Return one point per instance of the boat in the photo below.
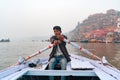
(84, 41)
(80, 68)
(116, 41)
(5, 40)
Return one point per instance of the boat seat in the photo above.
(81, 65)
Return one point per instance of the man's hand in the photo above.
(59, 41)
(56, 42)
(61, 37)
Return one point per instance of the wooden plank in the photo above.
(103, 76)
(16, 75)
(61, 73)
(78, 64)
(112, 72)
(11, 70)
(107, 70)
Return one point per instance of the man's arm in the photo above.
(52, 39)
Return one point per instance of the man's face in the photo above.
(57, 32)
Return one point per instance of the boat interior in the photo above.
(80, 68)
(70, 74)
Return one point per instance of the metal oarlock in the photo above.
(21, 60)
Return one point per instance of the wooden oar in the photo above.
(21, 60)
(82, 49)
(103, 59)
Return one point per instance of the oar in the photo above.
(104, 61)
(21, 60)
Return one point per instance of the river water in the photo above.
(10, 52)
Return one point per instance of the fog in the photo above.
(29, 18)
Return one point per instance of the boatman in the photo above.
(59, 52)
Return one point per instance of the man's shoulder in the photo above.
(64, 35)
(53, 36)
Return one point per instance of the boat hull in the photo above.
(80, 68)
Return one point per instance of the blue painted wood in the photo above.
(103, 76)
(16, 75)
(61, 73)
(11, 70)
(101, 71)
(112, 73)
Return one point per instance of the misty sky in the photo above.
(28, 18)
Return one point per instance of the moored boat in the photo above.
(5, 40)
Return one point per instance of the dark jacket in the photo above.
(62, 46)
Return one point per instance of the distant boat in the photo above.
(5, 40)
(117, 41)
(84, 41)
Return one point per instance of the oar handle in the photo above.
(81, 49)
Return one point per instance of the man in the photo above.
(59, 52)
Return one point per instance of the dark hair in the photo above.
(57, 28)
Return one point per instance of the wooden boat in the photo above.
(84, 41)
(5, 40)
(117, 41)
(80, 68)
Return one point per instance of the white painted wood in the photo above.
(16, 75)
(103, 76)
(68, 67)
(112, 72)
(11, 70)
(61, 73)
(107, 70)
(78, 64)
